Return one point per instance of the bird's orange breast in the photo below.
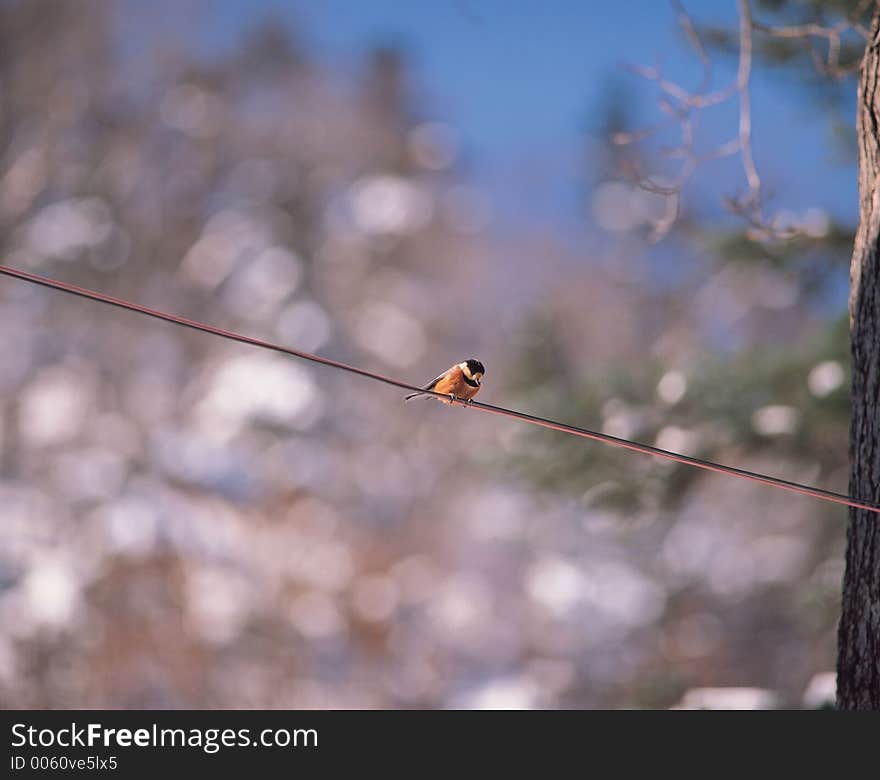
(453, 382)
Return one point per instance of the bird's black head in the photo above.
(475, 367)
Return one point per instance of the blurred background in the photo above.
(193, 523)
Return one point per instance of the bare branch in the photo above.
(680, 105)
(690, 31)
(743, 75)
(829, 65)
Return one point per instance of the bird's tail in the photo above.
(412, 395)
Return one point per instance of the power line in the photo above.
(646, 449)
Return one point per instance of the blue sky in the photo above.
(521, 80)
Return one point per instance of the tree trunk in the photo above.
(858, 661)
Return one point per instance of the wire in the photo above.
(646, 449)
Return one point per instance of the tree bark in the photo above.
(858, 660)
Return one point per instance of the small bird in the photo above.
(461, 382)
